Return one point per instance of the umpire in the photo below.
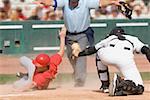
(77, 21)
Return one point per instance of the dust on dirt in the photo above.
(66, 90)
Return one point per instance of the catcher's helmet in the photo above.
(42, 59)
(117, 30)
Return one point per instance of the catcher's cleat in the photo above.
(21, 75)
(104, 89)
(114, 84)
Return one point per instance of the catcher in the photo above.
(42, 70)
(118, 49)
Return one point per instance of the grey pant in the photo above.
(29, 66)
(78, 64)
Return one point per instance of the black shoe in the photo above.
(104, 89)
(105, 86)
(21, 75)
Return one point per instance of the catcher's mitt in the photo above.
(125, 9)
(75, 49)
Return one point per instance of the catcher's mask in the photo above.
(73, 4)
(41, 59)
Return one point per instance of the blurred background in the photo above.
(21, 10)
(26, 27)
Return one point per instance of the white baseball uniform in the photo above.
(120, 53)
(30, 67)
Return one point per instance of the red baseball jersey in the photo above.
(42, 79)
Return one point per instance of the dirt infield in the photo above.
(10, 64)
(65, 90)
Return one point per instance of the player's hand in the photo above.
(62, 32)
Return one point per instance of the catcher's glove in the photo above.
(125, 9)
(75, 49)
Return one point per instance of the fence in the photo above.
(37, 36)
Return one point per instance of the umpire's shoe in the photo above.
(114, 84)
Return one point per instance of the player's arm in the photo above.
(94, 49)
(145, 50)
(101, 2)
(88, 51)
(140, 47)
(53, 3)
(62, 35)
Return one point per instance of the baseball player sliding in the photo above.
(118, 49)
(41, 70)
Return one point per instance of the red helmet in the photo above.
(42, 59)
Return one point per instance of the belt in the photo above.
(76, 33)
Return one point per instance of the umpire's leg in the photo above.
(79, 64)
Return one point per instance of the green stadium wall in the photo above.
(42, 36)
